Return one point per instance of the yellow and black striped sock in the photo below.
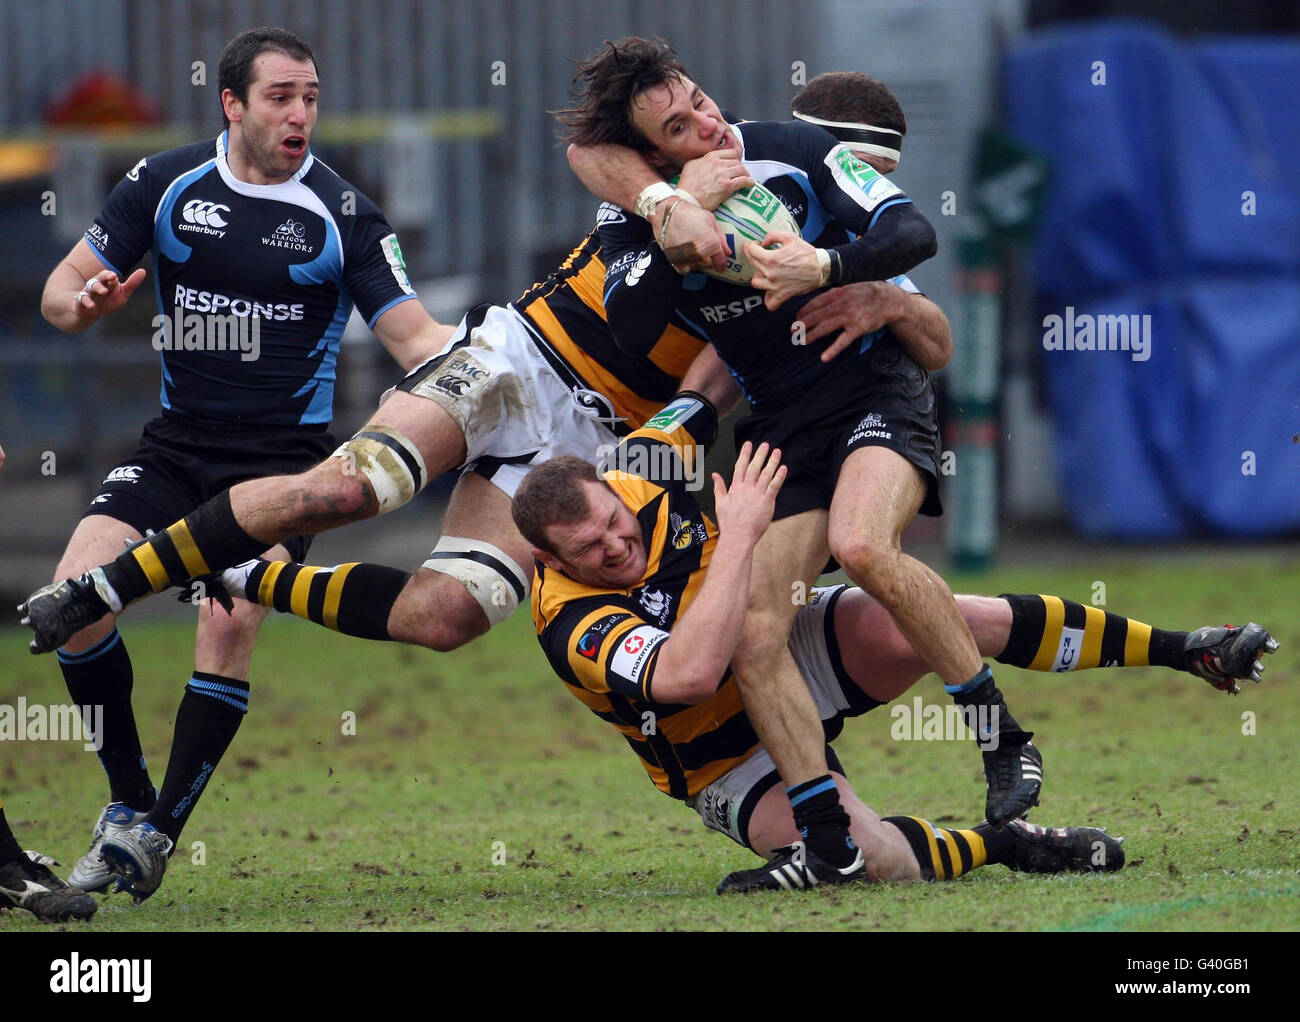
(1049, 633)
(354, 598)
(208, 539)
(942, 854)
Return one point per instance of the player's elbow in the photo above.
(686, 688)
(681, 680)
(629, 334)
(936, 351)
(921, 237)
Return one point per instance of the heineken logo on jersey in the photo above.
(848, 169)
(670, 415)
(291, 235)
(393, 253)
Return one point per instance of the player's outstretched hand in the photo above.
(103, 294)
(786, 272)
(853, 310)
(712, 177)
(746, 509)
(693, 240)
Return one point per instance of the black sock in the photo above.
(998, 844)
(822, 820)
(102, 676)
(354, 599)
(210, 713)
(985, 711)
(10, 850)
(206, 540)
(1049, 633)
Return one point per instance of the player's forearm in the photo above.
(923, 331)
(900, 239)
(612, 173)
(704, 639)
(709, 375)
(58, 301)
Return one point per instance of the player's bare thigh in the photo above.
(879, 658)
(877, 496)
(96, 540)
(771, 826)
(334, 492)
(434, 609)
(790, 555)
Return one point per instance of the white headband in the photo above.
(877, 141)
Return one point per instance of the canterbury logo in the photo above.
(206, 214)
(638, 269)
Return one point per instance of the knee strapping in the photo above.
(389, 461)
(487, 572)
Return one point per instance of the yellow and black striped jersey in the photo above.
(604, 644)
(567, 313)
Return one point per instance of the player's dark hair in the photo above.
(235, 66)
(605, 86)
(551, 494)
(853, 97)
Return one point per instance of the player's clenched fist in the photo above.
(747, 508)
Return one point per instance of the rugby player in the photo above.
(639, 603)
(861, 438)
(25, 877)
(259, 253)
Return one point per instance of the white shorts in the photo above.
(727, 803)
(513, 408)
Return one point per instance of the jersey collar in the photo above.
(244, 187)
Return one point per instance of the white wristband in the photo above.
(824, 260)
(688, 196)
(651, 196)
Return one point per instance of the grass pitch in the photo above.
(476, 794)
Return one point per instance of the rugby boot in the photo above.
(58, 611)
(92, 873)
(139, 858)
(1063, 849)
(1220, 656)
(1014, 774)
(794, 868)
(28, 883)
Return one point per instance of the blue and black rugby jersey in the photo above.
(834, 197)
(254, 283)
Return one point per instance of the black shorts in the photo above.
(886, 401)
(180, 465)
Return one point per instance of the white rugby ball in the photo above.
(748, 215)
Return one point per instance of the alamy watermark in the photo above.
(658, 463)
(35, 722)
(196, 332)
(1087, 332)
(930, 722)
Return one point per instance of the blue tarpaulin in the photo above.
(1174, 202)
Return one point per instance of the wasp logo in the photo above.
(685, 531)
(205, 214)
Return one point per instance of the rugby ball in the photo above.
(748, 215)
